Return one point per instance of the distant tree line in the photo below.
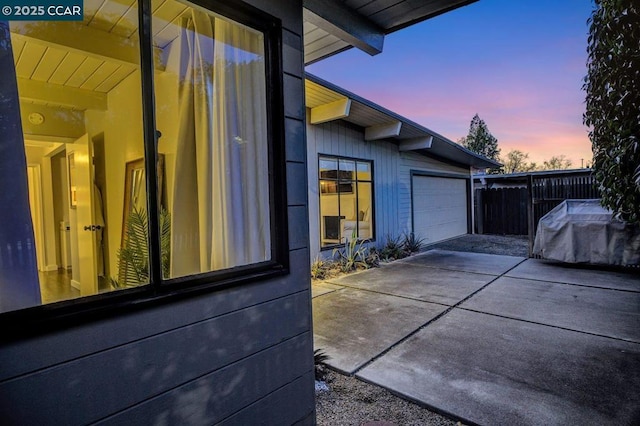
(481, 141)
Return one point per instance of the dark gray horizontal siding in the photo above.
(95, 386)
(278, 408)
(219, 395)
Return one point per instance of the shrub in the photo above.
(352, 256)
(319, 358)
(613, 98)
(393, 249)
(412, 243)
(319, 268)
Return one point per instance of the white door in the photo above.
(439, 207)
(79, 158)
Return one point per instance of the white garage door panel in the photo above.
(439, 207)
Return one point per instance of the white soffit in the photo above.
(331, 26)
(382, 124)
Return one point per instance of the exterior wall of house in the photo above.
(345, 139)
(392, 177)
(242, 355)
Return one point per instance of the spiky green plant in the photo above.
(133, 257)
(412, 243)
(319, 358)
(318, 268)
(392, 249)
(353, 255)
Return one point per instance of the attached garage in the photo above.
(439, 206)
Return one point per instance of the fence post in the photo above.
(530, 218)
(479, 212)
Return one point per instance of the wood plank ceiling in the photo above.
(42, 55)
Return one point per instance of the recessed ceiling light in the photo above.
(36, 118)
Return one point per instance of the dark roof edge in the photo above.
(534, 173)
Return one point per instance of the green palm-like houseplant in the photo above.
(133, 257)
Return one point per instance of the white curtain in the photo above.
(220, 215)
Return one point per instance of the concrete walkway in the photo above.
(490, 339)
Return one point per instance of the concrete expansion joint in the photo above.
(620, 339)
(624, 290)
(434, 319)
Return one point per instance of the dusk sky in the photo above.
(519, 64)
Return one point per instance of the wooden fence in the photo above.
(516, 211)
(502, 211)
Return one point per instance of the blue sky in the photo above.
(519, 64)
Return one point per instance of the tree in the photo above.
(516, 161)
(557, 162)
(480, 140)
(612, 88)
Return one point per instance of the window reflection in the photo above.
(80, 105)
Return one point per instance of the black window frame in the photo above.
(45, 318)
(339, 182)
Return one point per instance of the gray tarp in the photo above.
(582, 231)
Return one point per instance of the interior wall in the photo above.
(60, 198)
(38, 155)
(122, 143)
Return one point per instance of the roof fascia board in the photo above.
(346, 24)
(382, 131)
(332, 111)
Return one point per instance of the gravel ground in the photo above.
(353, 402)
(509, 245)
(350, 401)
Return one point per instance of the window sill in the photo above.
(43, 319)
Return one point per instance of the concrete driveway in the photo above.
(490, 339)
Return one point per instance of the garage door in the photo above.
(439, 207)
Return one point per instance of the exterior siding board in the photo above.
(246, 348)
(234, 387)
(154, 365)
(277, 407)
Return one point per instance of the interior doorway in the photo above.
(67, 214)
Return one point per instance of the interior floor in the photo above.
(56, 286)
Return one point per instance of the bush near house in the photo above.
(355, 255)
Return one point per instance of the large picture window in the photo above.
(346, 199)
(215, 134)
(205, 157)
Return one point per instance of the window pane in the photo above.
(328, 168)
(365, 211)
(347, 169)
(330, 220)
(211, 112)
(364, 171)
(80, 105)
